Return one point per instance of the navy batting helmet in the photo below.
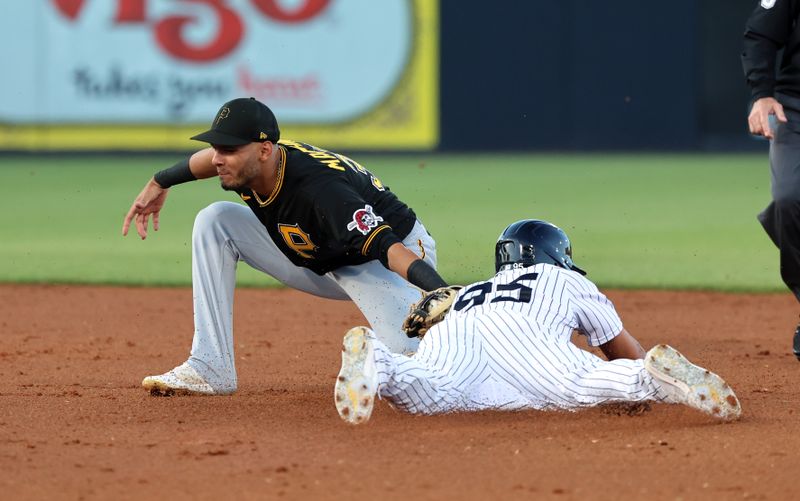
(533, 241)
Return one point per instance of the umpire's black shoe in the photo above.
(796, 343)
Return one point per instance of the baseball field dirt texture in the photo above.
(75, 423)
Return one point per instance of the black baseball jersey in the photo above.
(772, 26)
(327, 211)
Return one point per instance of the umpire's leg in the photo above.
(781, 218)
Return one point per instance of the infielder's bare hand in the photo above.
(149, 202)
(759, 116)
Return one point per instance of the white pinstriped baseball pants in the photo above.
(460, 366)
(226, 232)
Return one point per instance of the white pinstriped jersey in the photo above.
(558, 301)
(505, 344)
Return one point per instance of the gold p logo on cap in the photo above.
(223, 113)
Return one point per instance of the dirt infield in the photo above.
(74, 423)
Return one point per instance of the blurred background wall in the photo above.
(583, 74)
(389, 75)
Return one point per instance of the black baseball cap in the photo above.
(241, 121)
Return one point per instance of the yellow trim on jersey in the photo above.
(372, 237)
(421, 248)
(278, 182)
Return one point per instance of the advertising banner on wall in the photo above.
(147, 74)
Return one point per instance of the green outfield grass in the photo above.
(636, 221)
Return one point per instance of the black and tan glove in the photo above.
(429, 310)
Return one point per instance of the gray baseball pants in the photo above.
(225, 233)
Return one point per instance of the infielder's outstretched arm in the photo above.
(409, 266)
(200, 165)
(623, 345)
(152, 197)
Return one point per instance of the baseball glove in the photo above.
(429, 310)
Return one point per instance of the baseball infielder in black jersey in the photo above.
(775, 114)
(315, 220)
(506, 344)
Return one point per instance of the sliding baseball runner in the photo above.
(505, 343)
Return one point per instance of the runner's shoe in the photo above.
(357, 382)
(689, 384)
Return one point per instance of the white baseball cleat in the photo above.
(357, 382)
(183, 379)
(689, 384)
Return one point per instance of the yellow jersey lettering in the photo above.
(293, 144)
(320, 154)
(326, 157)
(352, 164)
(333, 164)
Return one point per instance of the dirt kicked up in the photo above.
(75, 424)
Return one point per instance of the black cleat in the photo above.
(796, 342)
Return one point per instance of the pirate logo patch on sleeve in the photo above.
(364, 220)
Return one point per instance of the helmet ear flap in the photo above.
(527, 254)
(505, 252)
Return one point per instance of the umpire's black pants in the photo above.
(781, 218)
